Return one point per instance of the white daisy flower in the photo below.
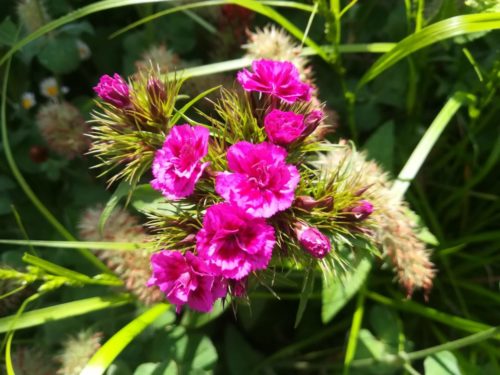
(49, 88)
(28, 100)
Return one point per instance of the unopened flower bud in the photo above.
(313, 241)
(239, 287)
(306, 202)
(113, 90)
(362, 210)
(313, 119)
(156, 89)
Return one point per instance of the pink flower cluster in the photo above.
(235, 239)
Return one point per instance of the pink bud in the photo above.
(362, 210)
(113, 90)
(313, 241)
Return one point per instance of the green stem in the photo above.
(357, 320)
(26, 188)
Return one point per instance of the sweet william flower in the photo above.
(280, 79)
(186, 279)
(261, 182)
(233, 242)
(362, 210)
(177, 166)
(313, 241)
(282, 127)
(113, 90)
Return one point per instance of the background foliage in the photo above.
(434, 80)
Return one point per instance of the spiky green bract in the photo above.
(131, 266)
(77, 351)
(125, 139)
(12, 289)
(394, 230)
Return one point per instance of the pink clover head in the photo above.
(177, 166)
(283, 128)
(113, 90)
(186, 279)
(233, 242)
(261, 182)
(280, 79)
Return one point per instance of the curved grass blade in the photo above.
(62, 311)
(101, 360)
(119, 246)
(98, 6)
(202, 4)
(111, 204)
(419, 154)
(27, 189)
(189, 104)
(432, 34)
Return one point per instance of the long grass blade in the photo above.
(62, 311)
(425, 145)
(437, 32)
(118, 246)
(115, 345)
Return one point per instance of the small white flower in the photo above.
(28, 100)
(83, 49)
(49, 88)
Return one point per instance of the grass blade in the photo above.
(62, 311)
(432, 34)
(111, 204)
(425, 145)
(189, 104)
(115, 345)
(119, 246)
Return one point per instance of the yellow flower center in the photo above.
(27, 103)
(52, 90)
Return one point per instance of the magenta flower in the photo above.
(261, 182)
(177, 166)
(113, 90)
(280, 79)
(362, 210)
(283, 128)
(313, 241)
(186, 280)
(233, 242)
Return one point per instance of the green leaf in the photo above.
(241, 357)
(432, 34)
(307, 289)
(193, 319)
(121, 191)
(336, 293)
(8, 32)
(62, 311)
(101, 360)
(442, 363)
(119, 246)
(189, 104)
(426, 143)
(380, 145)
(60, 54)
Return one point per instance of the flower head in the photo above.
(77, 351)
(186, 279)
(177, 166)
(283, 128)
(49, 88)
(28, 100)
(279, 79)
(233, 242)
(113, 90)
(261, 182)
(313, 241)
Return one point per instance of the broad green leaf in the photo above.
(60, 54)
(242, 358)
(8, 32)
(164, 368)
(432, 34)
(426, 143)
(336, 293)
(442, 363)
(380, 145)
(193, 319)
(62, 311)
(307, 289)
(101, 360)
(122, 190)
